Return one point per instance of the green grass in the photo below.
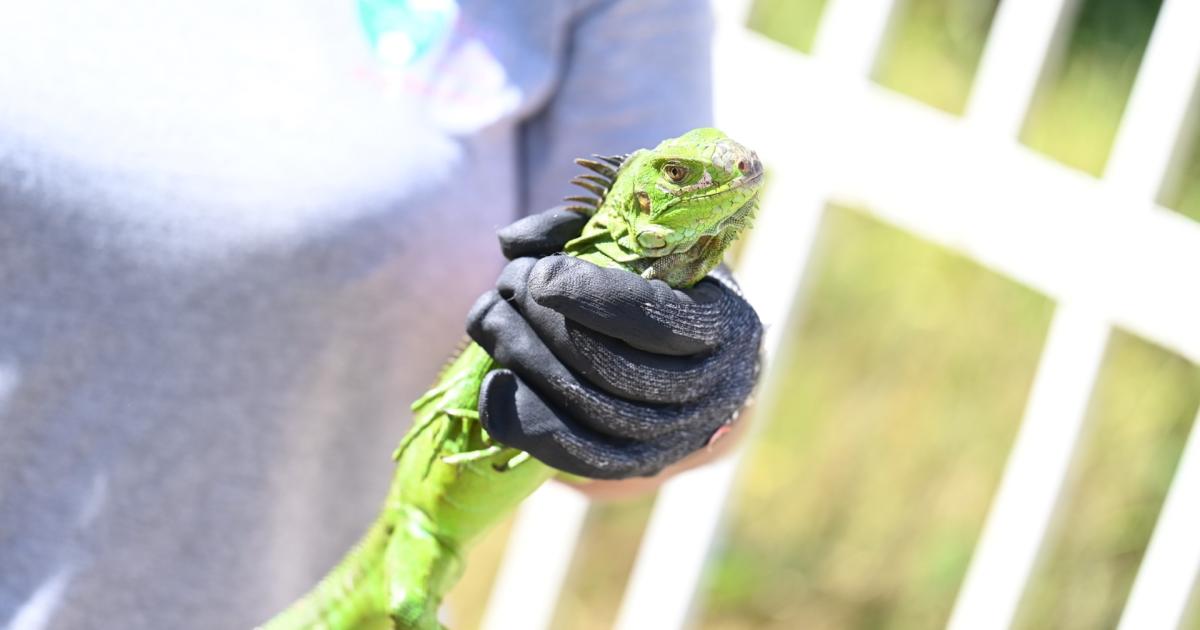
(934, 50)
(793, 23)
(1075, 114)
(1184, 195)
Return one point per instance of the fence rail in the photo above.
(1103, 248)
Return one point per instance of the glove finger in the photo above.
(496, 326)
(540, 234)
(612, 365)
(516, 416)
(646, 314)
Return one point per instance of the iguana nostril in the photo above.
(753, 165)
(651, 239)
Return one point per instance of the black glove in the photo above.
(609, 375)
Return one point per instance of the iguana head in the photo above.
(669, 212)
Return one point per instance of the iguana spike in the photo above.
(588, 210)
(600, 191)
(603, 169)
(615, 160)
(603, 181)
(587, 201)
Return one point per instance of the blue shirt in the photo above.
(236, 241)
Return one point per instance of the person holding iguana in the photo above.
(232, 251)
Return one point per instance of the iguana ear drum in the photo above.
(605, 168)
(643, 202)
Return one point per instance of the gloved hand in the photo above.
(608, 375)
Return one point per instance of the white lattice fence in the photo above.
(1103, 248)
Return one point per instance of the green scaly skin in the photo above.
(669, 214)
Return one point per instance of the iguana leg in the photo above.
(517, 460)
(470, 456)
(420, 566)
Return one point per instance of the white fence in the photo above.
(1103, 248)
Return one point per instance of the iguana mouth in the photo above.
(734, 184)
(744, 211)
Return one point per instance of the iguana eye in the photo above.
(675, 172)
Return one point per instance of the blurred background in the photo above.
(907, 370)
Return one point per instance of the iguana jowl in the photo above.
(666, 213)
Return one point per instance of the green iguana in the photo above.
(667, 213)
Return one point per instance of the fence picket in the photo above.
(1026, 36)
(535, 563)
